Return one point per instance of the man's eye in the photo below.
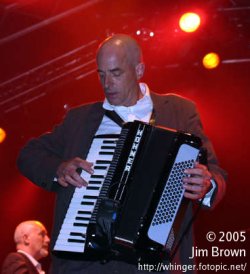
(117, 73)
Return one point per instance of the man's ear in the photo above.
(139, 70)
(26, 239)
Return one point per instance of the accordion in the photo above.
(140, 205)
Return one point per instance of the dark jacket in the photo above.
(18, 263)
(40, 158)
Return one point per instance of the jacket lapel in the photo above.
(87, 130)
(161, 109)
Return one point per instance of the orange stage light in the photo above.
(2, 135)
(211, 60)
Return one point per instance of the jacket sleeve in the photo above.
(194, 125)
(40, 157)
(15, 263)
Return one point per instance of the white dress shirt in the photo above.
(141, 111)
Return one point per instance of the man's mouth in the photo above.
(111, 94)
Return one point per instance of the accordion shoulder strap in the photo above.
(114, 117)
(120, 122)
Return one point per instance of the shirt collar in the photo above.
(146, 99)
(32, 259)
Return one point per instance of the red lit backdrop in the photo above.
(47, 66)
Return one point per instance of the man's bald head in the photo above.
(25, 228)
(125, 43)
(32, 238)
(120, 67)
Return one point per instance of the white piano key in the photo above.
(70, 225)
(77, 207)
(79, 194)
(73, 246)
(73, 212)
(71, 220)
(64, 236)
(68, 229)
(96, 186)
(69, 248)
(74, 217)
(67, 236)
(80, 200)
(89, 201)
(100, 172)
(92, 192)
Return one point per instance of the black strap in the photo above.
(114, 117)
(152, 118)
(118, 120)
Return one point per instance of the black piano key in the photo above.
(107, 136)
(106, 153)
(95, 182)
(97, 176)
(93, 187)
(80, 224)
(89, 197)
(75, 241)
(108, 147)
(87, 203)
(109, 141)
(100, 167)
(83, 212)
(103, 162)
(77, 234)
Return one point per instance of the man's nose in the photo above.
(107, 81)
(47, 239)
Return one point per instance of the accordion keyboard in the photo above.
(72, 236)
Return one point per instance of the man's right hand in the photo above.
(68, 175)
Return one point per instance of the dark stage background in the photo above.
(47, 51)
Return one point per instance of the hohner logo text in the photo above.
(134, 149)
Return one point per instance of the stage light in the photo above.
(211, 60)
(145, 33)
(2, 135)
(189, 22)
(151, 34)
(138, 32)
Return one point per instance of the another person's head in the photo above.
(120, 66)
(32, 237)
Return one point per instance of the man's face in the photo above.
(118, 77)
(39, 242)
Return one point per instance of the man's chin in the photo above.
(114, 102)
(44, 253)
(113, 98)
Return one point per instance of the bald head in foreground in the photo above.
(32, 243)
